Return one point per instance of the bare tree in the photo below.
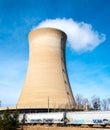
(108, 102)
(81, 101)
(96, 103)
(85, 101)
(105, 104)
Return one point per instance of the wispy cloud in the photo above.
(81, 35)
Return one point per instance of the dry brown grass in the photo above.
(38, 127)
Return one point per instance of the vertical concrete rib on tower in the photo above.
(46, 77)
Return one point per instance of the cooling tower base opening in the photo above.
(34, 110)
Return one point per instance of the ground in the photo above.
(62, 128)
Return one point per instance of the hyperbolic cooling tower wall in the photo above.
(46, 81)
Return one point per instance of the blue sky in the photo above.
(89, 71)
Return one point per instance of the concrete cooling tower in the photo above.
(46, 83)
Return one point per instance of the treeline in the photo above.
(9, 121)
(95, 103)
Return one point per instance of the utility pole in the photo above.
(48, 104)
(0, 103)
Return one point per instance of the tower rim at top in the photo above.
(51, 29)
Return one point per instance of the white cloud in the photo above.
(81, 36)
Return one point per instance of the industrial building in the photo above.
(47, 85)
